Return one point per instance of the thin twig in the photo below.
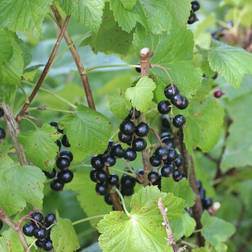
(13, 130)
(170, 238)
(45, 71)
(76, 57)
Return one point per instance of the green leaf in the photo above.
(143, 228)
(215, 230)
(64, 237)
(43, 141)
(128, 4)
(144, 88)
(9, 242)
(23, 15)
(84, 129)
(20, 185)
(5, 46)
(88, 12)
(231, 62)
(88, 195)
(180, 189)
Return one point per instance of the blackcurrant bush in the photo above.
(107, 199)
(117, 151)
(40, 233)
(162, 152)
(207, 203)
(51, 174)
(65, 141)
(67, 154)
(155, 161)
(128, 181)
(180, 101)
(65, 176)
(92, 175)
(47, 245)
(127, 127)
(97, 162)
(2, 133)
(170, 91)
(142, 129)
(109, 160)
(192, 18)
(1, 112)
(113, 180)
(164, 107)
(28, 229)
(101, 189)
(37, 217)
(62, 163)
(177, 175)
(50, 219)
(57, 185)
(139, 144)
(178, 161)
(154, 178)
(134, 114)
(101, 176)
(130, 154)
(195, 6)
(125, 138)
(179, 121)
(167, 170)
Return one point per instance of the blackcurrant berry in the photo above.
(67, 154)
(134, 114)
(195, 6)
(97, 162)
(167, 170)
(130, 154)
(1, 112)
(109, 160)
(170, 91)
(2, 133)
(65, 176)
(139, 144)
(127, 191)
(50, 219)
(172, 154)
(162, 152)
(1, 224)
(192, 18)
(37, 217)
(101, 176)
(39, 243)
(166, 135)
(154, 178)
(28, 229)
(101, 189)
(218, 93)
(65, 141)
(142, 129)
(40, 233)
(113, 180)
(155, 161)
(47, 245)
(207, 203)
(202, 193)
(62, 163)
(117, 151)
(57, 185)
(128, 181)
(164, 107)
(180, 101)
(138, 69)
(215, 76)
(127, 127)
(198, 184)
(107, 199)
(125, 138)
(54, 124)
(51, 174)
(92, 175)
(177, 175)
(178, 161)
(179, 121)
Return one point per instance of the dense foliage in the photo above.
(125, 125)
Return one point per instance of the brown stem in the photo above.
(13, 130)
(76, 57)
(44, 73)
(170, 238)
(145, 55)
(16, 228)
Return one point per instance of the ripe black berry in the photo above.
(65, 141)
(155, 161)
(113, 180)
(172, 154)
(202, 193)
(166, 135)
(177, 175)
(117, 151)
(164, 107)
(50, 219)
(2, 133)
(54, 124)
(142, 129)
(37, 217)
(178, 161)
(193, 18)
(130, 154)
(97, 162)
(1, 112)
(139, 144)
(162, 152)
(138, 69)
(28, 229)
(124, 138)
(67, 154)
(51, 174)
(40, 233)
(47, 245)
(92, 175)
(207, 203)
(62, 163)
(57, 185)
(65, 176)
(100, 189)
(134, 114)
(154, 178)
(109, 160)
(195, 6)
(127, 127)
(167, 170)
(107, 199)
(101, 176)
(128, 181)
(39, 243)
(179, 121)
(179, 101)
(127, 191)
(1, 224)
(170, 91)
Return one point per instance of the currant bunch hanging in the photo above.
(193, 17)
(205, 201)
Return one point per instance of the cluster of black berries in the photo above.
(61, 174)
(193, 17)
(164, 107)
(2, 131)
(40, 228)
(62, 141)
(206, 202)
